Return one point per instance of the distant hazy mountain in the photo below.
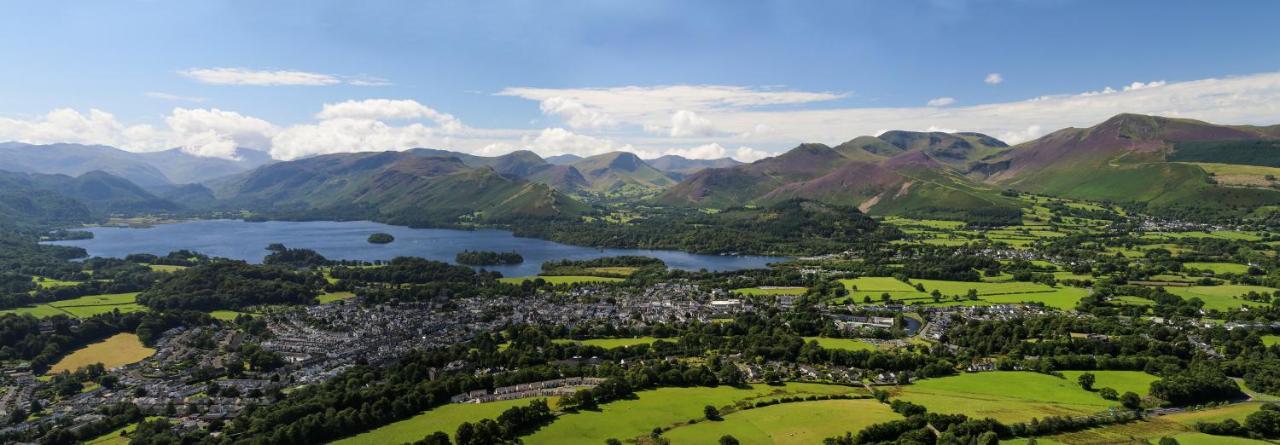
(145, 169)
(416, 187)
(680, 165)
(624, 173)
(564, 159)
(63, 199)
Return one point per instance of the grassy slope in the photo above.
(988, 394)
(118, 350)
(790, 423)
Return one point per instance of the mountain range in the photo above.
(1164, 163)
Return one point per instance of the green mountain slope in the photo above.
(621, 173)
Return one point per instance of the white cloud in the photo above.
(558, 141)
(217, 133)
(173, 97)
(941, 101)
(1140, 85)
(575, 113)
(994, 79)
(213, 132)
(389, 109)
(716, 151)
(252, 77)
(685, 123)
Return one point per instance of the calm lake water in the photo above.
(349, 240)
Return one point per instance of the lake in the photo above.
(349, 240)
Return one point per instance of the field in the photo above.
(770, 291)
(1271, 340)
(445, 418)
(86, 306)
(1241, 175)
(329, 297)
(1121, 381)
(116, 351)
(627, 419)
(1220, 297)
(165, 267)
(1219, 267)
(1062, 297)
(610, 343)
(993, 394)
(788, 423)
(563, 279)
(225, 315)
(1180, 426)
(848, 344)
(50, 283)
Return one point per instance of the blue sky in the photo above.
(698, 78)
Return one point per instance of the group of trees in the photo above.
(226, 284)
(22, 336)
(487, 258)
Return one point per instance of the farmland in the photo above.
(788, 423)
(1222, 297)
(987, 394)
(563, 279)
(86, 306)
(626, 419)
(848, 344)
(116, 351)
(1062, 297)
(770, 291)
(445, 418)
(610, 343)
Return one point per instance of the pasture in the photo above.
(1223, 297)
(848, 344)
(1005, 292)
(1180, 426)
(627, 419)
(770, 291)
(116, 351)
(330, 297)
(1121, 381)
(445, 418)
(86, 306)
(1005, 396)
(1219, 268)
(788, 423)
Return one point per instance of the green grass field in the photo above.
(51, 283)
(165, 267)
(445, 418)
(1121, 381)
(1271, 340)
(1010, 292)
(1005, 396)
(225, 315)
(770, 291)
(627, 419)
(788, 423)
(1180, 426)
(563, 279)
(329, 297)
(1219, 268)
(116, 351)
(848, 344)
(86, 306)
(1221, 297)
(610, 343)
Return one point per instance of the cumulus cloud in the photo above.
(389, 109)
(994, 79)
(575, 113)
(217, 133)
(717, 151)
(212, 132)
(685, 123)
(559, 141)
(941, 101)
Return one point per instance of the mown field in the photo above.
(1121, 381)
(770, 291)
(1223, 297)
(1219, 268)
(116, 351)
(1180, 426)
(788, 423)
(1011, 292)
(86, 306)
(848, 344)
(1005, 396)
(445, 418)
(627, 419)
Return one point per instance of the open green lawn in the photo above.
(788, 423)
(1132, 300)
(1004, 396)
(86, 306)
(329, 297)
(1221, 297)
(627, 419)
(50, 283)
(1219, 268)
(1010, 292)
(562, 279)
(225, 315)
(165, 267)
(1219, 234)
(1270, 340)
(770, 291)
(445, 418)
(116, 351)
(1121, 381)
(1180, 426)
(848, 344)
(610, 343)
(927, 223)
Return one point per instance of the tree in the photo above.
(728, 440)
(1109, 393)
(1168, 441)
(711, 412)
(988, 438)
(1131, 400)
(1086, 381)
(1265, 423)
